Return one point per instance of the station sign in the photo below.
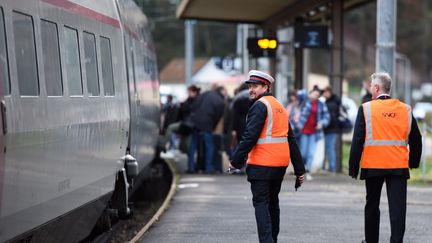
(311, 36)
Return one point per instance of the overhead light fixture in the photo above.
(322, 8)
(312, 13)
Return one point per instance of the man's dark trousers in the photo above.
(396, 195)
(266, 203)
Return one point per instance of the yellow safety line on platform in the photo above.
(164, 206)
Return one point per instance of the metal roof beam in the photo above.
(294, 10)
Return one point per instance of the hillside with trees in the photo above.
(414, 18)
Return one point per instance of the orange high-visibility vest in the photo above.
(272, 147)
(388, 124)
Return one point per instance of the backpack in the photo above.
(345, 123)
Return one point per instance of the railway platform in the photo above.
(218, 208)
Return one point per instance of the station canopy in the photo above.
(261, 12)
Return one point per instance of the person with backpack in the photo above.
(333, 129)
(314, 117)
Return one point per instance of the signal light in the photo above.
(272, 44)
(267, 44)
(260, 47)
(263, 43)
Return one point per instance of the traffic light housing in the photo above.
(262, 47)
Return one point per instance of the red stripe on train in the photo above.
(84, 11)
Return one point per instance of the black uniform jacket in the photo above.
(254, 124)
(415, 149)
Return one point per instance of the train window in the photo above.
(51, 58)
(25, 54)
(4, 65)
(73, 68)
(145, 62)
(130, 64)
(107, 71)
(134, 69)
(91, 64)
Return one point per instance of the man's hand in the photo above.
(299, 181)
(318, 126)
(301, 178)
(353, 175)
(232, 169)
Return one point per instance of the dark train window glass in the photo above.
(134, 70)
(91, 64)
(25, 54)
(107, 71)
(51, 58)
(146, 64)
(130, 64)
(4, 65)
(73, 68)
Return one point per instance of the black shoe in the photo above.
(364, 241)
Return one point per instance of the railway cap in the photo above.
(259, 77)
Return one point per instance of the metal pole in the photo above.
(305, 69)
(245, 60)
(189, 50)
(405, 66)
(239, 49)
(408, 82)
(386, 35)
(336, 66)
(239, 40)
(423, 154)
(298, 58)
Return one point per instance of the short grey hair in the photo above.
(384, 80)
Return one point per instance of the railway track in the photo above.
(147, 204)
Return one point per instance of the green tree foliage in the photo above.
(413, 34)
(211, 38)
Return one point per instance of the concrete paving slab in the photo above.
(218, 208)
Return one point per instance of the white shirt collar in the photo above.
(382, 95)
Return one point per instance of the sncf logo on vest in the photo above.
(388, 114)
(279, 110)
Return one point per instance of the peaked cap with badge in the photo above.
(259, 77)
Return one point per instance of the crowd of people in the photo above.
(208, 123)
(195, 127)
(252, 128)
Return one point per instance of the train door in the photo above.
(133, 96)
(4, 89)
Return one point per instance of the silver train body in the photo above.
(79, 90)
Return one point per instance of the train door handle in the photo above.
(3, 115)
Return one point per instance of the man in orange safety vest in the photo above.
(383, 131)
(267, 146)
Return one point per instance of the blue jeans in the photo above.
(330, 150)
(208, 150)
(307, 148)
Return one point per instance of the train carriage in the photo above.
(79, 91)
